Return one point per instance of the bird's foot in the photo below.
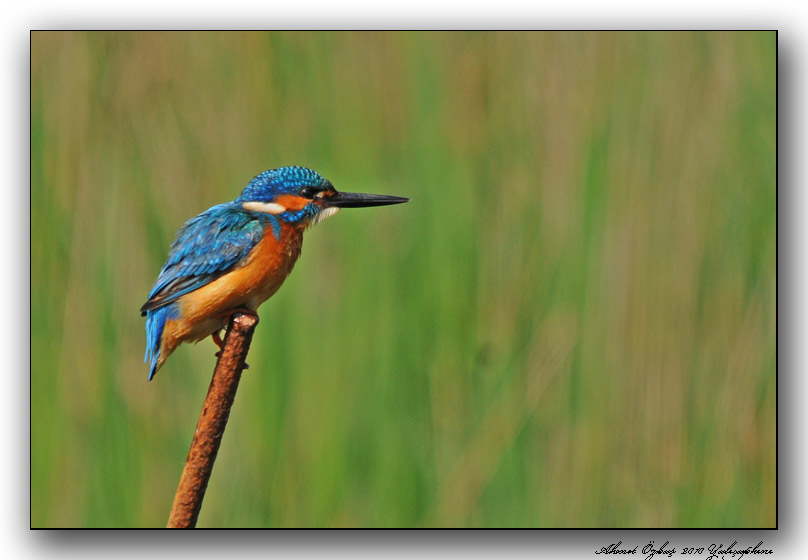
(217, 339)
(225, 318)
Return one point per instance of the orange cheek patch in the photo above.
(291, 202)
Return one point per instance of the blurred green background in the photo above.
(572, 324)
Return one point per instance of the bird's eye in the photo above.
(307, 192)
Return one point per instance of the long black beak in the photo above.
(360, 200)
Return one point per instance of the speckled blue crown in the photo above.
(284, 180)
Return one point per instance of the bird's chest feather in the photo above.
(269, 264)
(251, 283)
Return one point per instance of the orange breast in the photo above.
(205, 310)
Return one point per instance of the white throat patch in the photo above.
(323, 214)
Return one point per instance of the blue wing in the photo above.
(207, 247)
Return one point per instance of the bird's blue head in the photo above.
(285, 180)
(298, 195)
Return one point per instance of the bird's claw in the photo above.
(217, 339)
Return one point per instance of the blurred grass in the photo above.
(572, 324)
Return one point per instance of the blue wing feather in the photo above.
(207, 247)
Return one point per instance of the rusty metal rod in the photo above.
(212, 422)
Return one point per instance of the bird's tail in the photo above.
(155, 322)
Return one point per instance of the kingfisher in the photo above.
(234, 256)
